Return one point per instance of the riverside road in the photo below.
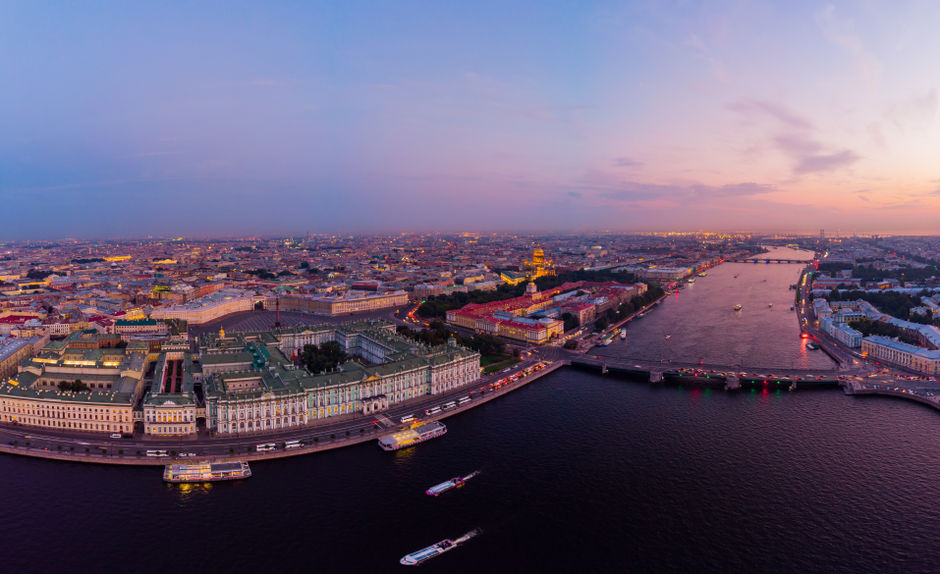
(346, 430)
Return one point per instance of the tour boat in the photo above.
(451, 484)
(436, 549)
(206, 472)
(737, 307)
(412, 436)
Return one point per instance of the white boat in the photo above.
(436, 549)
(206, 472)
(451, 484)
(412, 436)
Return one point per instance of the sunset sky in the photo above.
(234, 118)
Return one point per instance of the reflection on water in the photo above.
(403, 456)
(187, 491)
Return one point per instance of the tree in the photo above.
(626, 308)
(323, 358)
(37, 274)
(571, 322)
(601, 324)
(73, 386)
(571, 344)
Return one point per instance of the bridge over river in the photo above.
(858, 380)
(770, 260)
(706, 374)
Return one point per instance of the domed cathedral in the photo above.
(534, 268)
(539, 266)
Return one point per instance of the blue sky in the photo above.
(254, 118)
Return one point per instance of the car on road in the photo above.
(115, 435)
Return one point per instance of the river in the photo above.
(699, 322)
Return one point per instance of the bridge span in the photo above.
(729, 377)
(770, 260)
(857, 381)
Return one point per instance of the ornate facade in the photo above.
(270, 392)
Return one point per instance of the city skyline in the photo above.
(627, 117)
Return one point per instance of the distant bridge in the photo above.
(770, 260)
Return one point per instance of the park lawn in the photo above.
(494, 367)
(487, 360)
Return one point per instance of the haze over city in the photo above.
(232, 118)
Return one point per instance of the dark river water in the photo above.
(579, 473)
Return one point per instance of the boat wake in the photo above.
(469, 535)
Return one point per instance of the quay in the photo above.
(927, 396)
(25, 441)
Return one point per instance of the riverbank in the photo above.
(117, 454)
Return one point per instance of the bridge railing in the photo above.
(646, 364)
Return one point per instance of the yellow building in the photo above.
(536, 267)
(539, 266)
(112, 379)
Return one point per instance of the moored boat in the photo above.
(412, 436)
(206, 472)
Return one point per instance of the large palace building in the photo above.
(249, 382)
(78, 384)
(252, 385)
